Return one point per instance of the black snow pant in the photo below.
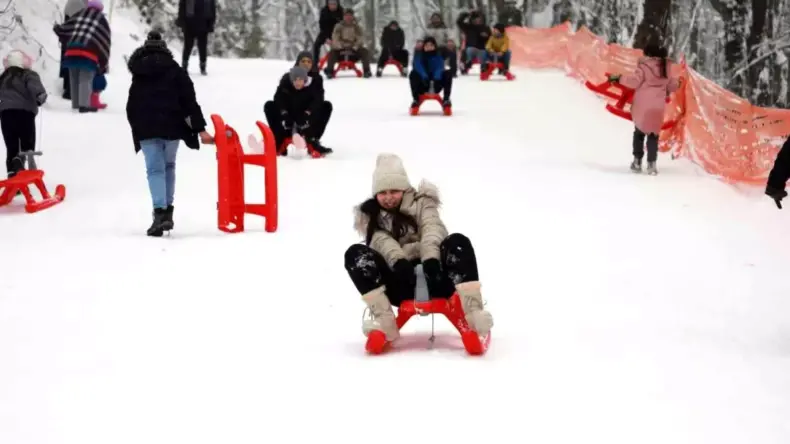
(398, 54)
(420, 86)
(639, 145)
(452, 59)
(282, 125)
(368, 270)
(19, 134)
(202, 46)
(320, 41)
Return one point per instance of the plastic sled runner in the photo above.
(21, 182)
(451, 308)
(415, 110)
(623, 96)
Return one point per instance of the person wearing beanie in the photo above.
(331, 15)
(497, 48)
(295, 108)
(393, 42)
(319, 118)
(476, 32)
(402, 228)
(72, 7)
(162, 110)
(348, 42)
(88, 41)
(428, 74)
(196, 18)
(21, 95)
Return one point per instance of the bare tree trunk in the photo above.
(655, 24)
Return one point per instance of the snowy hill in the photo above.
(628, 309)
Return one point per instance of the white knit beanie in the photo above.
(18, 59)
(389, 174)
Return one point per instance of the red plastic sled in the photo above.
(493, 67)
(396, 64)
(347, 65)
(21, 182)
(415, 110)
(623, 96)
(451, 308)
(310, 148)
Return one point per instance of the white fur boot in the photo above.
(383, 316)
(478, 319)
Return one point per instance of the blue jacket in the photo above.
(429, 67)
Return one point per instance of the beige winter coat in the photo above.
(423, 205)
(347, 36)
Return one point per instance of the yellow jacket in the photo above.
(498, 44)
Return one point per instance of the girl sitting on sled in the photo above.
(402, 228)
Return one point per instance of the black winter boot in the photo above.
(167, 221)
(156, 229)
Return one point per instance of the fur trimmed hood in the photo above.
(426, 190)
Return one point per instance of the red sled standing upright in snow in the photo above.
(402, 229)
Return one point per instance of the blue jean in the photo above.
(474, 53)
(489, 56)
(160, 165)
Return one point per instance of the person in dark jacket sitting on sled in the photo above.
(393, 42)
(320, 118)
(428, 73)
(402, 228)
(293, 109)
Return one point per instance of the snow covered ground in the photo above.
(628, 309)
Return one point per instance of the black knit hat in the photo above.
(154, 38)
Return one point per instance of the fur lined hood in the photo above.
(426, 190)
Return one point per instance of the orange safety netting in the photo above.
(723, 133)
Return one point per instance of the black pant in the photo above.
(398, 54)
(320, 41)
(19, 134)
(281, 125)
(419, 86)
(189, 43)
(368, 269)
(639, 145)
(362, 55)
(452, 59)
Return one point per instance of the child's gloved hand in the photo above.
(614, 78)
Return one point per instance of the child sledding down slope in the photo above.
(402, 228)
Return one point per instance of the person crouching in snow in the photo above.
(21, 94)
(497, 48)
(293, 109)
(428, 71)
(87, 36)
(402, 227)
(318, 119)
(162, 110)
(651, 84)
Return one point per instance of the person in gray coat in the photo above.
(438, 30)
(21, 94)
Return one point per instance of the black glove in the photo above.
(439, 285)
(405, 277)
(776, 194)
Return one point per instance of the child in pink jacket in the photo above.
(652, 85)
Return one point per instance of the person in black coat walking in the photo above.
(162, 110)
(331, 15)
(296, 105)
(393, 43)
(196, 18)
